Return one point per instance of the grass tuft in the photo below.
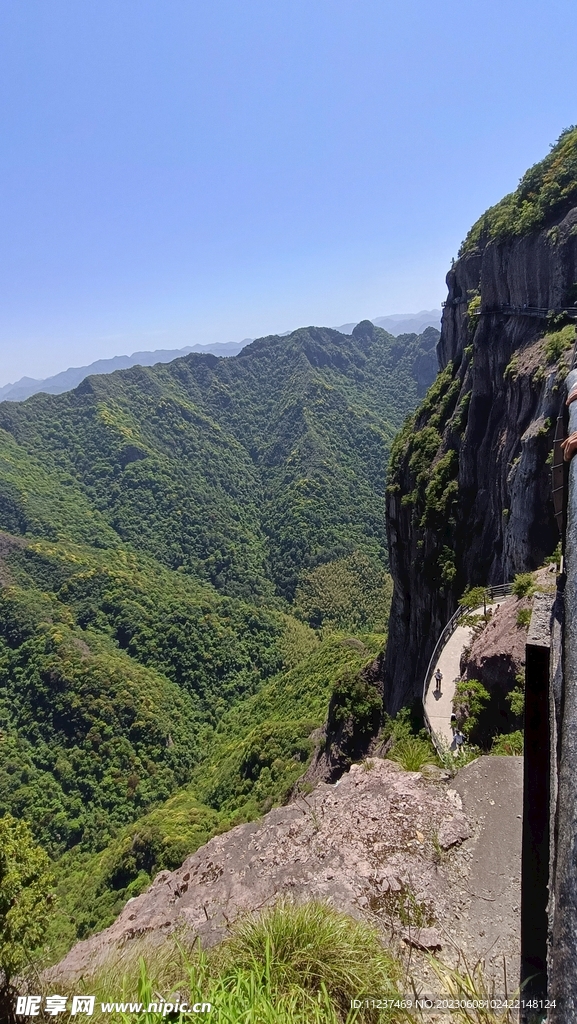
(309, 946)
(524, 617)
(412, 753)
(290, 964)
(508, 744)
(523, 585)
(468, 986)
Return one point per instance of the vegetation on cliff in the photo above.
(428, 445)
(546, 191)
(469, 486)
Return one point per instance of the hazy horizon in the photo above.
(398, 317)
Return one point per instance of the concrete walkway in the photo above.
(440, 706)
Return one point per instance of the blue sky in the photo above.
(182, 171)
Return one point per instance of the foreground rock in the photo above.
(391, 846)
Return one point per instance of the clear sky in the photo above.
(182, 171)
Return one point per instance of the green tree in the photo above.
(25, 897)
(523, 585)
(468, 703)
(474, 598)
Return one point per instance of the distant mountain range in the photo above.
(402, 323)
(67, 380)
(71, 378)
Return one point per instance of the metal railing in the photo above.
(538, 311)
(510, 310)
(493, 594)
(501, 590)
(446, 633)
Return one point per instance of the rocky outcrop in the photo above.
(432, 861)
(469, 496)
(496, 659)
(368, 845)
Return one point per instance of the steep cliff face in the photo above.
(469, 495)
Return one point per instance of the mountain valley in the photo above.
(185, 550)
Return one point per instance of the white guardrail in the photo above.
(493, 593)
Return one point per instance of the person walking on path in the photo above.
(438, 678)
(458, 741)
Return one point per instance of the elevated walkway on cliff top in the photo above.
(446, 656)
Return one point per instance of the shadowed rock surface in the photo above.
(497, 654)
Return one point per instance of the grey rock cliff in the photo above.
(496, 416)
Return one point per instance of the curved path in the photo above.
(439, 706)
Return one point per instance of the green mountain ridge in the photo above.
(192, 461)
(181, 546)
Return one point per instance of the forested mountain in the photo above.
(243, 471)
(181, 545)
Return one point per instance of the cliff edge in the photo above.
(425, 858)
(469, 493)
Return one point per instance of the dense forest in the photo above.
(186, 552)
